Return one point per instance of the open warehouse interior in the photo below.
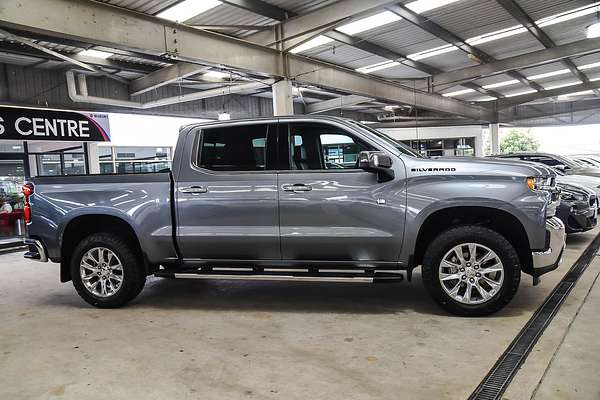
(222, 154)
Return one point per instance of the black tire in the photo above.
(134, 276)
(475, 234)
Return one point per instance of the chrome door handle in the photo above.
(297, 188)
(193, 189)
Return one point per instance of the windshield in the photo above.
(402, 148)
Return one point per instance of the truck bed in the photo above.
(144, 201)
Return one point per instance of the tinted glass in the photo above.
(314, 146)
(236, 148)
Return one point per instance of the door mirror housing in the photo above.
(377, 162)
(562, 167)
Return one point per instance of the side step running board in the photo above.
(285, 276)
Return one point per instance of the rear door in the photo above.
(329, 209)
(226, 194)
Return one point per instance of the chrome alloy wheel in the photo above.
(471, 273)
(101, 272)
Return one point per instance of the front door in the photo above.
(329, 209)
(227, 203)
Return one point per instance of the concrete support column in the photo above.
(94, 159)
(494, 132)
(283, 100)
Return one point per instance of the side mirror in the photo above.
(377, 162)
(562, 167)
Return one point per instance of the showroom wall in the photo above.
(446, 132)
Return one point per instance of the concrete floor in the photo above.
(274, 340)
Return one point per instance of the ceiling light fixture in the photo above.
(582, 93)
(378, 66)
(420, 6)
(521, 93)
(365, 24)
(561, 85)
(432, 52)
(500, 84)
(215, 75)
(187, 9)
(548, 74)
(95, 54)
(318, 41)
(568, 15)
(457, 93)
(502, 33)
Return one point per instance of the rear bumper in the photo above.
(549, 259)
(37, 251)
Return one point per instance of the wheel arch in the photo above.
(502, 221)
(84, 225)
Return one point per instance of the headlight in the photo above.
(572, 196)
(539, 183)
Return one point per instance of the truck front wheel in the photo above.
(106, 271)
(471, 270)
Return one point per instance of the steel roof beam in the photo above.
(449, 37)
(261, 8)
(547, 110)
(581, 47)
(524, 19)
(338, 102)
(381, 51)
(165, 76)
(526, 98)
(304, 27)
(146, 34)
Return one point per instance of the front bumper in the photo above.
(37, 251)
(549, 259)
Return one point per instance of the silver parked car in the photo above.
(562, 163)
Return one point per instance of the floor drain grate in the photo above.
(497, 380)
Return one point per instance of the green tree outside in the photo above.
(518, 140)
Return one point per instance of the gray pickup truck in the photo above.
(307, 199)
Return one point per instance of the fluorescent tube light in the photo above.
(582, 93)
(376, 67)
(318, 41)
(562, 85)
(95, 53)
(521, 93)
(502, 33)
(568, 15)
(589, 66)
(215, 75)
(457, 93)
(187, 9)
(432, 52)
(549, 74)
(368, 23)
(420, 6)
(500, 84)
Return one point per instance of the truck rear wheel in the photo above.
(106, 271)
(471, 271)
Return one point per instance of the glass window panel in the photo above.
(12, 177)
(236, 148)
(105, 152)
(134, 167)
(143, 153)
(107, 168)
(9, 146)
(49, 164)
(74, 164)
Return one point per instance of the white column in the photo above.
(283, 103)
(94, 160)
(494, 132)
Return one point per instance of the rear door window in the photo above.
(235, 148)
